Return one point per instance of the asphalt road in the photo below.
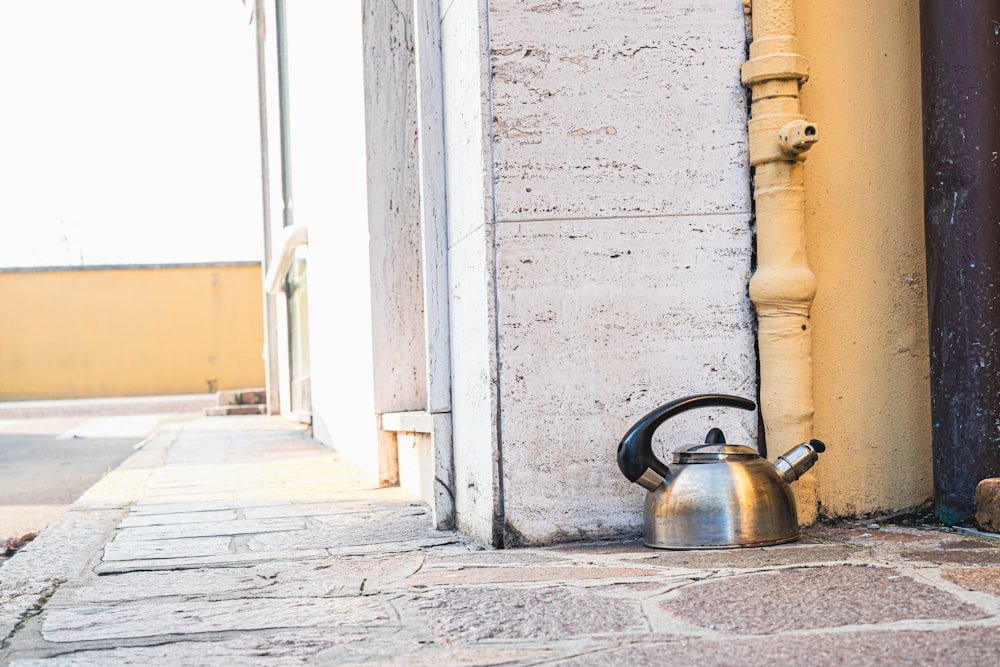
(51, 452)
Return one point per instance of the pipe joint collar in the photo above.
(774, 66)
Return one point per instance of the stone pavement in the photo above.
(239, 541)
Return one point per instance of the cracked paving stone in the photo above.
(209, 529)
(809, 598)
(499, 575)
(350, 536)
(379, 504)
(152, 619)
(329, 577)
(183, 518)
(134, 586)
(124, 549)
(463, 656)
(245, 651)
(759, 557)
(499, 557)
(224, 560)
(473, 614)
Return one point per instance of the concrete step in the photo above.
(226, 410)
(241, 397)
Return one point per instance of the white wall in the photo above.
(326, 91)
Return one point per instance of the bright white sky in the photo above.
(128, 132)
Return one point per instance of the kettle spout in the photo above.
(793, 464)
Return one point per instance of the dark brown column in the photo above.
(960, 54)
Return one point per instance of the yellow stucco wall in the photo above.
(130, 331)
(864, 228)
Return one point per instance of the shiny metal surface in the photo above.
(793, 464)
(650, 479)
(721, 505)
(715, 452)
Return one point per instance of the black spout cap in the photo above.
(817, 445)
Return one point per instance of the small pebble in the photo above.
(872, 526)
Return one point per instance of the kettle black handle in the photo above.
(635, 451)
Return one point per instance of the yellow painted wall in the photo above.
(864, 228)
(130, 331)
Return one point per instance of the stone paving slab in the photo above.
(153, 619)
(124, 549)
(248, 544)
(211, 529)
(813, 598)
(242, 559)
(963, 646)
(249, 650)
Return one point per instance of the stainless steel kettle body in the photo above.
(716, 495)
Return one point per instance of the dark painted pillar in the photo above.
(960, 57)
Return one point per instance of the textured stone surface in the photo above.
(393, 208)
(987, 504)
(347, 535)
(983, 579)
(144, 585)
(501, 575)
(813, 598)
(594, 108)
(67, 624)
(125, 549)
(184, 518)
(768, 556)
(288, 647)
(632, 301)
(607, 266)
(969, 647)
(957, 556)
(241, 559)
(464, 656)
(473, 614)
(437, 601)
(210, 529)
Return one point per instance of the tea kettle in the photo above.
(717, 495)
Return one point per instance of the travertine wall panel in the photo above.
(617, 108)
(600, 322)
(393, 207)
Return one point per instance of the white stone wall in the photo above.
(623, 244)
(394, 207)
(469, 193)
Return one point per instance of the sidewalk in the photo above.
(240, 541)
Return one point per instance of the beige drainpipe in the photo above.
(783, 287)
